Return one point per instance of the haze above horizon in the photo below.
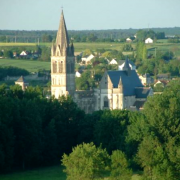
(89, 14)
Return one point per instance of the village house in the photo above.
(87, 59)
(113, 61)
(148, 41)
(146, 79)
(128, 40)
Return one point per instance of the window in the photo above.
(55, 67)
(61, 67)
(106, 103)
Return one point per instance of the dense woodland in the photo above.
(35, 131)
(80, 36)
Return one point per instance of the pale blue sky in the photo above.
(88, 14)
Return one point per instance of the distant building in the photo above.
(148, 41)
(146, 79)
(163, 83)
(24, 53)
(21, 82)
(163, 76)
(122, 63)
(128, 40)
(122, 90)
(87, 59)
(113, 61)
(78, 74)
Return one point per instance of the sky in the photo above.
(88, 14)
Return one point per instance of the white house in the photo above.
(23, 53)
(78, 74)
(113, 61)
(88, 59)
(148, 40)
(128, 40)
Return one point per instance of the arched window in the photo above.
(106, 102)
(55, 66)
(61, 67)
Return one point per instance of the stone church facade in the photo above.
(117, 90)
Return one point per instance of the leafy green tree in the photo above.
(161, 140)
(141, 51)
(87, 52)
(2, 38)
(119, 166)
(1, 53)
(85, 82)
(47, 38)
(86, 162)
(110, 130)
(127, 47)
(45, 54)
(8, 54)
(92, 38)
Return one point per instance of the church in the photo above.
(121, 89)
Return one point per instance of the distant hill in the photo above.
(33, 36)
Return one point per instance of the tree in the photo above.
(119, 166)
(110, 130)
(141, 51)
(47, 38)
(8, 54)
(161, 141)
(45, 54)
(127, 47)
(2, 38)
(86, 162)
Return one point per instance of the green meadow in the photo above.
(47, 173)
(29, 65)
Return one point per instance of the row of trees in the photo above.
(141, 35)
(35, 131)
(12, 71)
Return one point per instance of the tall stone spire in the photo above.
(62, 39)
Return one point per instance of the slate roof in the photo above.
(142, 92)
(129, 82)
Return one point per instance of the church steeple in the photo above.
(62, 39)
(62, 63)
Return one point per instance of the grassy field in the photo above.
(161, 45)
(30, 65)
(48, 173)
(17, 44)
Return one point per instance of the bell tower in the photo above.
(62, 63)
